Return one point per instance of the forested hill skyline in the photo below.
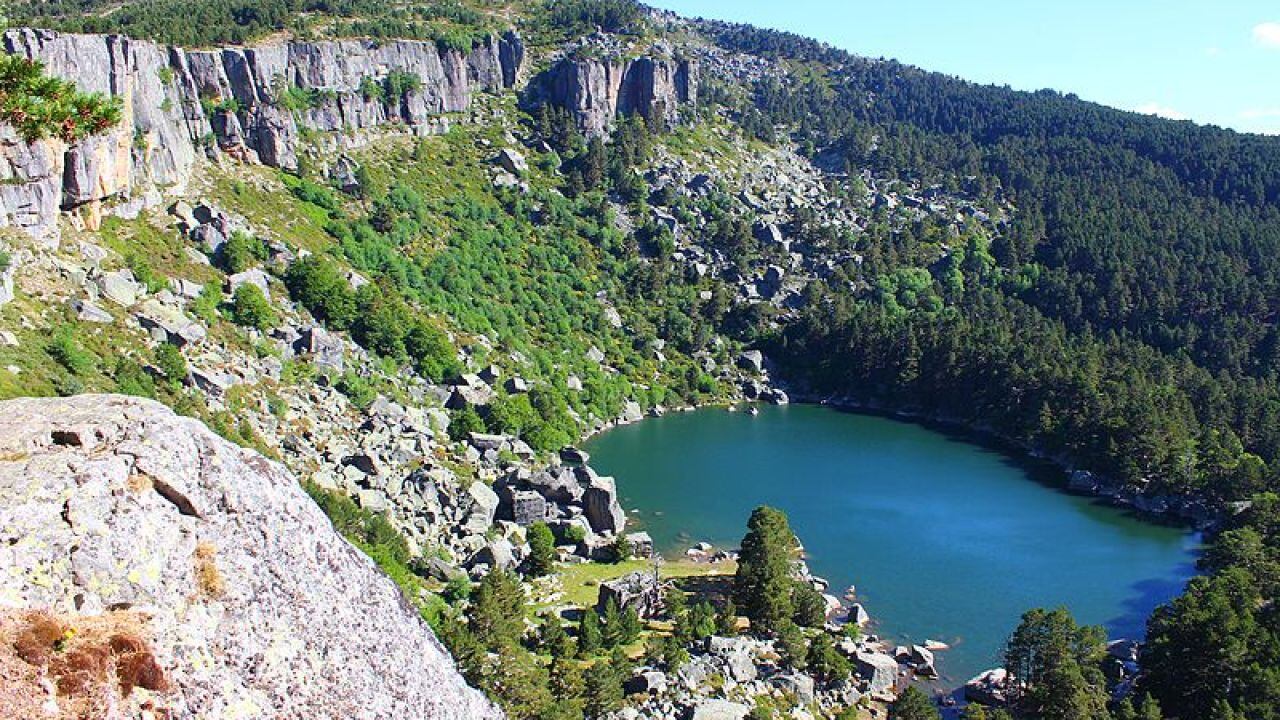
(1209, 63)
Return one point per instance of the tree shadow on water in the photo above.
(1147, 595)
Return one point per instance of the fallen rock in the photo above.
(513, 162)
(600, 502)
(880, 671)
(717, 710)
(640, 591)
(120, 288)
(87, 311)
(991, 687)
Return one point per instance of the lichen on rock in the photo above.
(256, 607)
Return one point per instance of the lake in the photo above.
(943, 537)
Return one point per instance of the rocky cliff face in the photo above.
(256, 607)
(598, 91)
(179, 104)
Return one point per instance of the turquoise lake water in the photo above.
(943, 538)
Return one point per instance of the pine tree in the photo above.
(790, 644)
(553, 639)
(497, 610)
(913, 704)
(727, 618)
(824, 661)
(810, 606)
(589, 636)
(763, 583)
(604, 686)
(39, 106)
(612, 636)
(1149, 709)
(567, 683)
(631, 626)
(542, 549)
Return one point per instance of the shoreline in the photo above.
(1171, 510)
(1054, 473)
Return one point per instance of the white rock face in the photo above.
(103, 502)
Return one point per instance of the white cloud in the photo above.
(1267, 34)
(1154, 108)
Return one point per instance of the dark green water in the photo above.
(943, 538)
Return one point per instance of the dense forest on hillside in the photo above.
(1125, 320)
(1127, 316)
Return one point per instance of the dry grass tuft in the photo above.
(140, 483)
(88, 663)
(208, 577)
(39, 638)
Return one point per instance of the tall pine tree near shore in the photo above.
(764, 583)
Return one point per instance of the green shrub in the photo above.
(250, 308)
(575, 534)
(399, 84)
(316, 194)
(240, 252)
(132, 379)
(464, 422)
(318, 285)
(371, 89)
(542, 549)
(64, 347)
(172, 364)
(145, 274)
(358, 389)
(205, 307)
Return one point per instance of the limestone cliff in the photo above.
(255, 606)
(181, 103)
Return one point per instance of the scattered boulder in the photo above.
(252, 276)
(169, 324)
(639, 591)
(484, 505)
(717, 710)
(513, 162)
(751, 361)
(498, 554)
(651, 682)
(523, 507)
(120, 287)
(880, 671)
(325, 348)
(798, 684)
(858, 615)
(991, 687)
(641, 544)
(600, 502)
(87, 311)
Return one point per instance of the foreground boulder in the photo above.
(254, 606)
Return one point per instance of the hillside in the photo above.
(413, 251)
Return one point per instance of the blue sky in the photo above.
(1212, 61)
